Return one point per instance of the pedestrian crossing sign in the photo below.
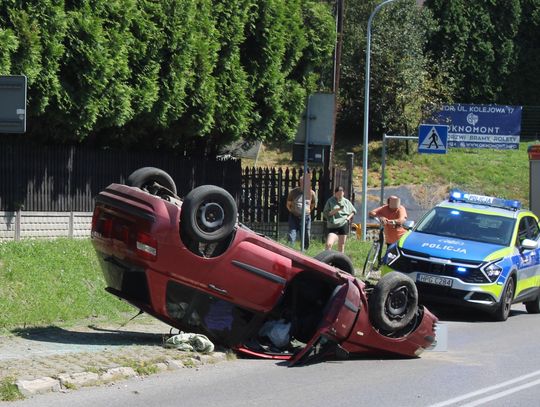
(432, 138)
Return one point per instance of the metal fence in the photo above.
(263, 198)
(67, 178)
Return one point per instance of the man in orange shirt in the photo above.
(392, 216)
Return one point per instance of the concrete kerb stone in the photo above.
(77, 380)
(67, 381)
(37, 386)
(118, 373)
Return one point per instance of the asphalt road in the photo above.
(485, 363)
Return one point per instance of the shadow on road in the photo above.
(448, 313)
(91, 335)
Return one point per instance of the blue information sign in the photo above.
(481, 126)
(432, 139)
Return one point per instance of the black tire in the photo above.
(393, 302)
(371, 260)
(208, 214)
(336, 259)
(503, 308)
(144, 178)
(533, 307)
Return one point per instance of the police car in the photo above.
(473, 250)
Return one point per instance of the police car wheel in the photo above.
(533, 307)
(393, 302)
(503, 309)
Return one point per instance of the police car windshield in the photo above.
(479, 227)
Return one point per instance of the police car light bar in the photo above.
(459, 196)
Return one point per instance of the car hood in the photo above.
(447, 247)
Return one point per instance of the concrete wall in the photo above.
(44, 225)
(50, 225)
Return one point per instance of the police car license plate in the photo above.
(436, 280)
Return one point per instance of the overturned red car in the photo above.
(191, 264)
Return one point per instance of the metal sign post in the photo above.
(306, 179)
(315, 141)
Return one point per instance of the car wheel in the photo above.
(336, 259)
(533, 307)
(393, 302)
(208, 214)
(145, 178)
(503, 309)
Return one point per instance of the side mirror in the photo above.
(408, 224)
(529, 244)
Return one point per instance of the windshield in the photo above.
(479, 227)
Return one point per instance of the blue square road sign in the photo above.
(432, 139)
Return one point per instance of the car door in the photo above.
(251, 276)
(527, 259)
(339, 316)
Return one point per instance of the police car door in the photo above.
(528, 259)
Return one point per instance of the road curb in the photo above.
(73, 381)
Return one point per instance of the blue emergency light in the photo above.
(457, 195)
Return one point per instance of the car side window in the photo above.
(533, 231)
(199, 312)
(522, 231)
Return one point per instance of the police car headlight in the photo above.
(391, 255)
(493, 271)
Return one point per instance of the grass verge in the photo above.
(9, 391)
(44, 282)
(59, 282)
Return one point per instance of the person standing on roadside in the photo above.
(295, 203)
(338, 212)
(392, 216)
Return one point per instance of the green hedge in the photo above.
(190, 75)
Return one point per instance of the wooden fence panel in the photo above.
(264, 196)
(67, 178)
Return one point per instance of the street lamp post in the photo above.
(366, 119)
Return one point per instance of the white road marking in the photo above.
(492, 388)
(501, 394)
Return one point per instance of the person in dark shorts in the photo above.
(338, 212)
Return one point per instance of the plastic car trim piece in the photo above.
(126, 207)
(351, 306)
(259, 272)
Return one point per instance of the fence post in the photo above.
(70, 230)
(18, 225)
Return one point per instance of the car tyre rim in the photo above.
(211, 216)
(397, 303)
(508, 298)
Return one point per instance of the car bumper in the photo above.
(480, 296)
